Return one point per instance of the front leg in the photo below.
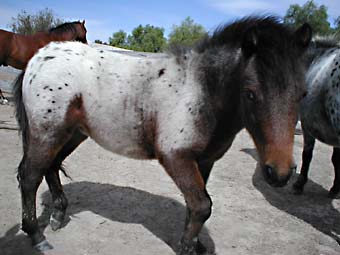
(307, 154)
(184, 170)
(336, 163)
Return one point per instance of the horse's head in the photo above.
(274, 83)
(81, 31)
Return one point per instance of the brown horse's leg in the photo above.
(307, 154)
(336, 163)
(184, 170)
(205, 169)
(53, 180)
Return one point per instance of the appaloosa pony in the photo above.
(16, 50)
(183, 109)
(320, 109)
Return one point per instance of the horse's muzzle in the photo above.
(275, 180)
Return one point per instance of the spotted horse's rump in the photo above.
(183, 109)
(320, 108)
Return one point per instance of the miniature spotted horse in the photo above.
(320, 108)
(184, 109)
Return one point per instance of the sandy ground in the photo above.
(123, 206)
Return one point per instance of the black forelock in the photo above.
(270, 30)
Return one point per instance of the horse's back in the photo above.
(320, 109)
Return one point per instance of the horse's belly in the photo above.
(119, 132)
(317, 124)
(123, 144)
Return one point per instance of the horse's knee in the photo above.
(202, 211)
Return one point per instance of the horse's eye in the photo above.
(250, 95)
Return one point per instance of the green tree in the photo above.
(27, 24)
(337, 26)
(119, 39)
(187, 33)
(147, 38)
(98, 41)
(310, 12)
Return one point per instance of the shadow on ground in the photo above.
(313, 206)
(162, 216)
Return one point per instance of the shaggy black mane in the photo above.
(270, 31)
(65, 27)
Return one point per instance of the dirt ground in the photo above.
(123, 206)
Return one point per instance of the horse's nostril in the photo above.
(269, 171)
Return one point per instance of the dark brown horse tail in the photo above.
(20, 112)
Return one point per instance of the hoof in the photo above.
(57, 219)
(55, 224)
(299, 185)
(192, 248)
(297, 189)
(43, 246)
(200, 248)
(187, 251)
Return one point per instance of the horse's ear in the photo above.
(250, 41)
(83, 22)
(303, 36)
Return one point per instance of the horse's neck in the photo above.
(66, 36)
(221, 90)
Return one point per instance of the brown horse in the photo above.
(16, 50)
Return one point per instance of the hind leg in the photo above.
(307, 154)
(34, 165)
(336, 163)
(40, 158)
(53, 180)
(184, 170)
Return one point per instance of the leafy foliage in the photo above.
(187, 33)
(147, 38)
(315, 15)
(143, 38)
(27, 24)
(337, 26)
(119, 39)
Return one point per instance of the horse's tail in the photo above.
(21, 116)
(20, 111)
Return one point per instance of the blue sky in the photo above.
(105, 17)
